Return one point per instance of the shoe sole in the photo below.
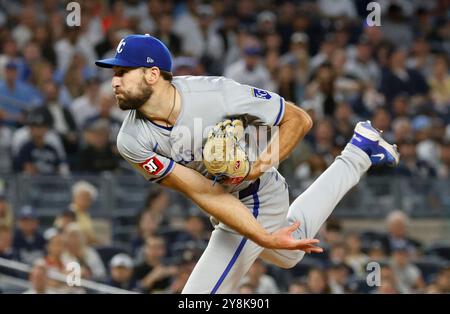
(372, 134)
(391, 149)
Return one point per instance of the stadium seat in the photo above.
(441, 250)
(430, 266)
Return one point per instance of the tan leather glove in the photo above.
(223, 155)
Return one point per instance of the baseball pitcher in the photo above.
(187, 133)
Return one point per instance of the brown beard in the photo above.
(129, 102)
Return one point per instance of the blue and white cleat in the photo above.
(369, 139)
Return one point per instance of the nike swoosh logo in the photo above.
(381, 156)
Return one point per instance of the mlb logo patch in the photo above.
(152, 165)
(260, 93)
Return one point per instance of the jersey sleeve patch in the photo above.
(152, 165)
(260, 93)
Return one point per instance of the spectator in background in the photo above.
(439, 82)
(443, 170)
(106, 111)
(346, 86)
(83, 195)
(39, 279)
(339, 8)
(213, 51)
(75, 76)
(62, 120)
(387, 287)
(63, 219)
(86, 105)
(5, 146)
(297, 287)
(148, 225)
(333, 232)
(402, 130)
(54, 249)
(355, 257)
(28, 21)
(321, 89)
(194, 232)
(121, 272)
(376, 252)
(250, 70)
(381, 120)
(187, 66)
(16, 96)
(317, 282)
(158, 202)
(397, 79)
(443, 280)
(31, 57)
(363, 66)
(190, 258)
(9, 55)
(97, 155)
(388, 281)
(7, 250)
(153, 274)
(36, 155)
(28, 241)
(71, 52)
(401, 108)
(338, 253)
(285, 75)
(395, 27)
(327, 47)
(228, 33)
(165, 33)
(266, 22)
(187, 26)
(338, 278)
(6, 212)
(258, 278)
(408, 276)
(42, 36)
(77, 250)
(344, 122)
(397, 229)
(410, 165)
(297, 59)
(53, 259)
(246, 288)
(323, 144)
(421, 59)
(428, 132)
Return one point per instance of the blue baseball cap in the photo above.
(27, 212)
(140, 51)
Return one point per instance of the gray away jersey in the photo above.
(205, 101)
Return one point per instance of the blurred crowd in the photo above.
(159, 258)
(58, 116)
(58, 113)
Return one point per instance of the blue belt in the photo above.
(249, 190)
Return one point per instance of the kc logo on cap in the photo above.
(141, 51)
(121, 45)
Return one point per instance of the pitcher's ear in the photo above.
(151, 75)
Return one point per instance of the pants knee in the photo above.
(287, 260)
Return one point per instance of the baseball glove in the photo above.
(223, 155)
